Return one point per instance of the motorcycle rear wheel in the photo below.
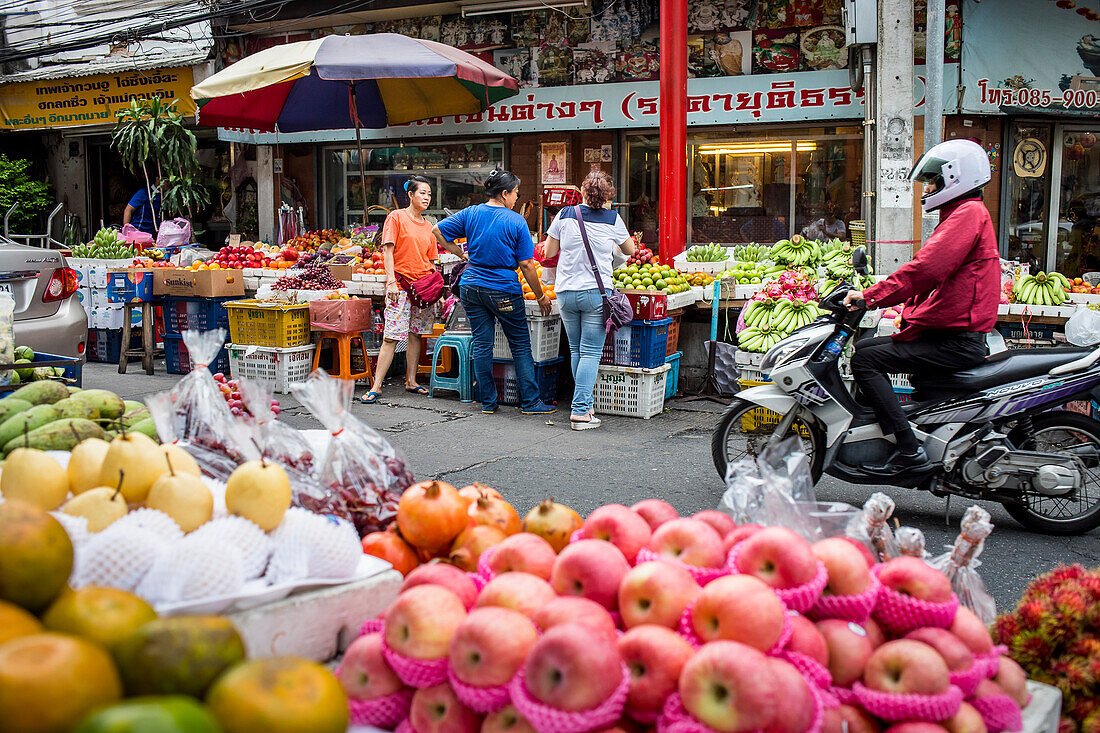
(1058, 432)
(746, 428)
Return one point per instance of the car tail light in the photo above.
(63, 284)
(80, 348)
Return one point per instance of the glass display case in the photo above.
(456, 170)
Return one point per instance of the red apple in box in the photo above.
(437, 710)
(849, 719)
(906, 667)
(723, 523)
(655, 655)
(573, 668)
(422, 620)
(656, 593)
(849, 649)
(577, 610)
(1012, 678)
(738, 608)
(655, 512)
(447, 576)
(490, 646)
(521, 592)
(797, 711)
(847, 568)
(592, 569)
(525, 553)
(729, 687)
(807, 640)
(506, 720)
(620, 526)
(971, 631)
(739, 535)
(966, 720)
(912, 576)
(691, 541)
(956, 654)
(777, 556)
(364, 672)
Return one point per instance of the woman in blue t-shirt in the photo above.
(497, 242)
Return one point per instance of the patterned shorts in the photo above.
(403, 318)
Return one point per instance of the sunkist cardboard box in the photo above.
(199, 283)
(342, 272)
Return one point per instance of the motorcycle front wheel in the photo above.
(1061, 432)
(746, 428)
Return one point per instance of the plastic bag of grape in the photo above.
(361, 474)
(278, 442)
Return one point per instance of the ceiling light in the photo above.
(516, 6)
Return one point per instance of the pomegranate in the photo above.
(553, 522)
(430, 515)
(389, 546)
(474, 491)
(473, 541)
(495, 513)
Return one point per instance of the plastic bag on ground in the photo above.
(960, 564)
(352, 476)
(1083, 327)
(911, 542)
(775, 488)
(872, 527)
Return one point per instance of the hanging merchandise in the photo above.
(960, 564)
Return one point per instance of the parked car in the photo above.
(48, 314)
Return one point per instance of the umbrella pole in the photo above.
(362, 169)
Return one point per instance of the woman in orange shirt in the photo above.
(409, 250)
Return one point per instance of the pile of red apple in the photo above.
(238, 257)
(592, 635)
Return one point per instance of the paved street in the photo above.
(529, 458)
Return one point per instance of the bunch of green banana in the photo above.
(758, 312)
(797, 251)
(105, 237)
(708, 253)
(790, 315)
(838, 263)
(833, 245)
(758, 338)
(1042, 288)
(751, 252)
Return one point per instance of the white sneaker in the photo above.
(591, 422)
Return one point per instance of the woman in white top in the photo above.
(578, 293)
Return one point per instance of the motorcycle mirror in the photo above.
(859, 260)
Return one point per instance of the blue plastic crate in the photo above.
(131, 286)
(905, 394)
(177, 359)
(672, 380)
(105, 344)
(546, 375)
(640, 344)
(194, 314)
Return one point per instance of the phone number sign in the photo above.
(1070, 99)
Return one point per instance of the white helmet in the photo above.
(957, 166)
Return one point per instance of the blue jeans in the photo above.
(582, 317)
(483, 307)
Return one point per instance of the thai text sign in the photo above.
(89, 100)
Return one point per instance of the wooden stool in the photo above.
(148, 350)
(340, 346)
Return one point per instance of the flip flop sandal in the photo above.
(370, 398)
(418, 389)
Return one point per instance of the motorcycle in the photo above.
(991, 432)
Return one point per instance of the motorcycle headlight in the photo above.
(780, 353)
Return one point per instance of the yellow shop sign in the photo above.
(89, 100)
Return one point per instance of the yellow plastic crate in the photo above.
(762, 419)
(257, 323)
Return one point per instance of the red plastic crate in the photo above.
(673, 336)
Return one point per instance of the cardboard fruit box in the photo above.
(199, 283)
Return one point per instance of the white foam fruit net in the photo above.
(153, 520)
(193, 568)
(308, 545)
(117, 557)
(244, 537)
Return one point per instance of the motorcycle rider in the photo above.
(950, 291)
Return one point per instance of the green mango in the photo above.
(63, 434)
(11, 406)
(132, 405)
(26, 421)
(109, 404)
(42, 393)
(74, 407)
(146, 427)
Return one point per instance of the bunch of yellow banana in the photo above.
(1042, 288)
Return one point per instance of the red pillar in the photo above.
(672, 202)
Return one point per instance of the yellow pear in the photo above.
(100, 506)
(259, 491)
(183, 497)
(85, 464)
(181, 460)
(138, 461)
(35, 477)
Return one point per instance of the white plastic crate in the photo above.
(900, 381)
(545, 339)
(629, 391)
(283, 366)
(533, 309)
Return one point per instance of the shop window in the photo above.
(1078, 251)
(456, 170)
(642, 185)
(1027, 194)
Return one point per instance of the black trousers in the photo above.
(876, 358)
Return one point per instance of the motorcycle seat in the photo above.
(998, 369)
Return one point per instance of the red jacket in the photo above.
(954, 282)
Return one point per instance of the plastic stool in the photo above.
(464, 382)
(340, 346)
(148, 350)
